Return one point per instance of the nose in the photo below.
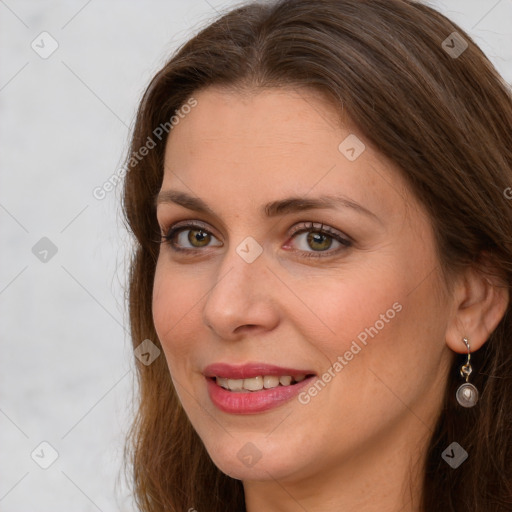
(242, 298)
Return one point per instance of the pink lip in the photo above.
(246, 371)
(253, 401)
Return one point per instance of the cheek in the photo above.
(380, 321)
(390, 331)
(173, 305)
(337, 309)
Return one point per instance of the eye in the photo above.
(317, 238)
(312, 239)
(188, 237)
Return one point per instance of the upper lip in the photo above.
(248, 370)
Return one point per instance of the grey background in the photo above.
(66, 370)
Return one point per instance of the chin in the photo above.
(256, 460)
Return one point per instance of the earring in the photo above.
(467, 394)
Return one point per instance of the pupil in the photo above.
(198, 236)
(321, 241)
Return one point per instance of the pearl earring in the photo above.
(467, 394)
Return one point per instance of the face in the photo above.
(297, 263)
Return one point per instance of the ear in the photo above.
(480, 300)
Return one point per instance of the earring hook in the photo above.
(466, 369)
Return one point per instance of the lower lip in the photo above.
(254, 401)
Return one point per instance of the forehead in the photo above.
(272, 142)
(266, 118)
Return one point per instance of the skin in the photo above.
(359, 444)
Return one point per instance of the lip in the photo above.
(248, 370)
(252, 402)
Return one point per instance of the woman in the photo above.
(324, 257)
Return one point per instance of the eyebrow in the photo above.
(272, 209)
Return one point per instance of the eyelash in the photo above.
(305, 227)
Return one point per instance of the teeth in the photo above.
(253, 384)
(270, 381)
(235, 384)
(257, 383)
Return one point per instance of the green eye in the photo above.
(316, 239)
(309, 239)
(198, 237)
(190, 237)
(319, 241)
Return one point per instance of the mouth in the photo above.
(254, 387)
(259, 382)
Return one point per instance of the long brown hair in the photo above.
(444, 118)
